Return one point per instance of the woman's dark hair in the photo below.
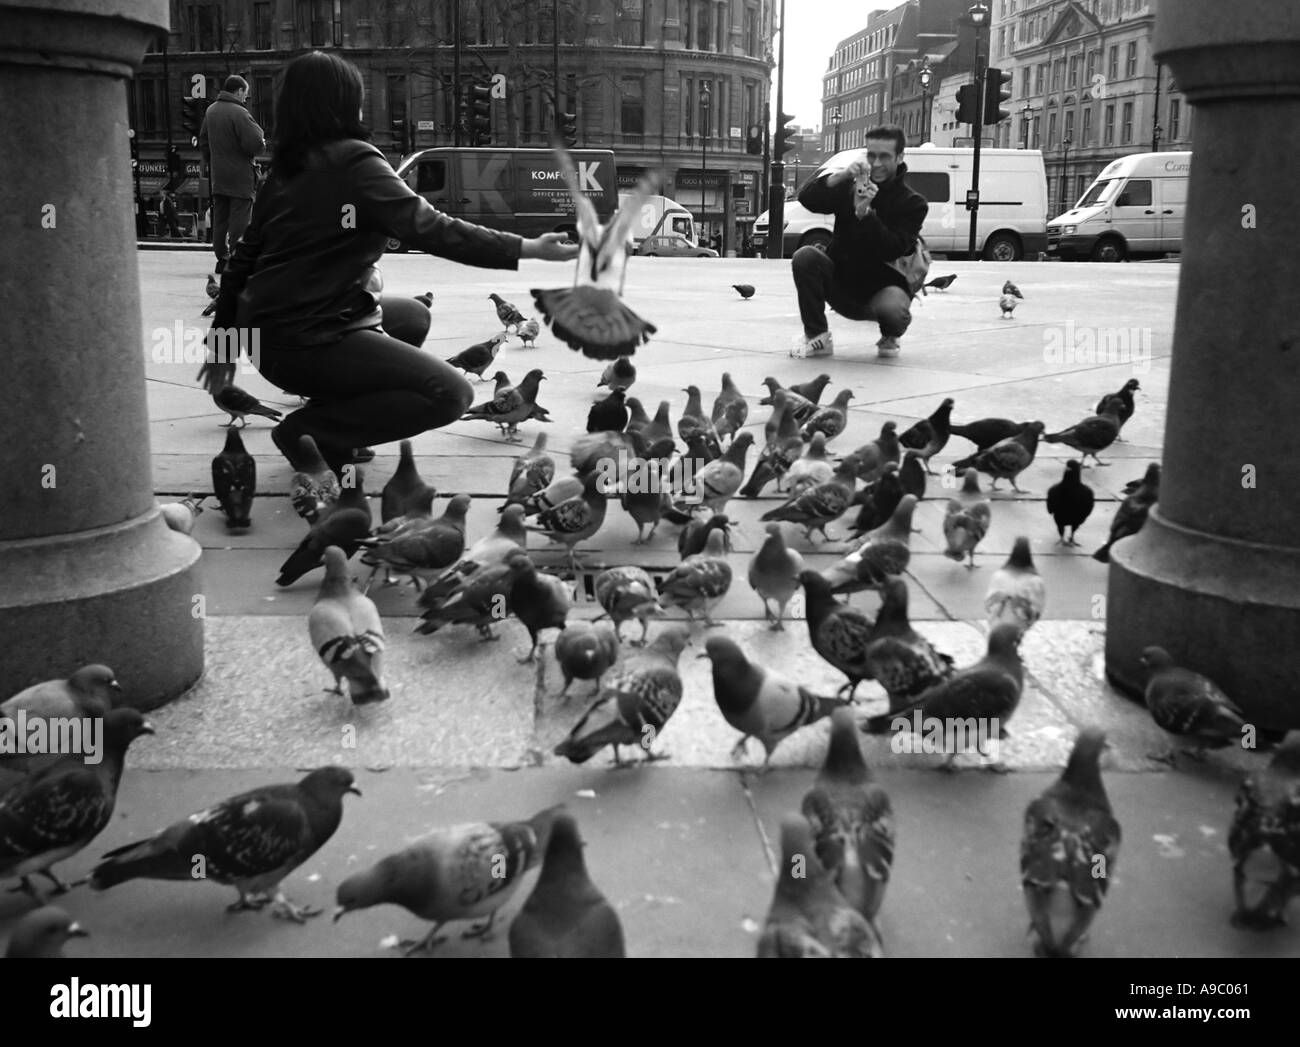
(319, 101)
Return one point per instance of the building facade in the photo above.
(1085, 86)
(668, 85)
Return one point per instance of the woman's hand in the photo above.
(552, 247)
(216, 374)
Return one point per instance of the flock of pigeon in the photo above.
(837, 852)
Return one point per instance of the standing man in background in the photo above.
(229, 140)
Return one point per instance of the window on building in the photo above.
(1073, 79)
(1002, 41)
(152, 100)
(1058, 70)
(1108, 127)
(751, 105)
(709, 98)
(1085, 137)
(262, 27)
(1051, 130)
(632, 106)
(703, 16)
(545, 22)
(1040, 74)
(204, 31)
(1175, 112)
(1024, 82)
(1112, 63)
(1036, 135)
(1131, 61)
(397, 100)
(629, 22)
(1069, 126)
(1126, 128)
(688, 107)
(750, 30)
(263, 97)
(1092, 64)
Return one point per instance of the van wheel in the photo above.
(396, 245)
(815, 238)
(1109, 249)
(1003, 247)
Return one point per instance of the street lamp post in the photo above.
(1065, 161)
(978, 16)
(704, 147)
(837, 118)
(1024, 116)
(925, 101)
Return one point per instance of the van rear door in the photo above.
(1133, 215)
(1172, 201)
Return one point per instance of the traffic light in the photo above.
(997, 90)
(785, 135)
(569, 130)
(480, 121)
(192, 110)
(968, 107)
(754, 140)
(400, 142)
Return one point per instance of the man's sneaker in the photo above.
(812, 348)
(887, 347)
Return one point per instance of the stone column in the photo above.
(89, 572)
(1215, 574)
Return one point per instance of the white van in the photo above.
(1012, 221)
(1135, 207)
(661, 216)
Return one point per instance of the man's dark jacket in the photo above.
(860, 247)
(304, 271)
(229, 140)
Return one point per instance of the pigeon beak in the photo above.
(113, 685)
(75, 930)
(338, 913)
(147, 728)
(354, 790)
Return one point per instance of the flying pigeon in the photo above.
(462, 872)
(237, 403)
(1070, 503)
(566, 916)
(1068, 851)
(234, 481)
(635, 701)
(808, 916)
(54, 813)
(852, 820)
(347, 633)
(250, 842)
(590, 316)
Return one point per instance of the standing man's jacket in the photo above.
(229, 140)
(861, 247)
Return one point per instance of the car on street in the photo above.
(673, 246)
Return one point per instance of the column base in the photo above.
(122, 595)
(1227, 609)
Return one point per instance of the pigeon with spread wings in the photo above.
(590, 316)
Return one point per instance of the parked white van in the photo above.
(1012, 222)
(1135, 207)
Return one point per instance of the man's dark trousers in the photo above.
(230, 216)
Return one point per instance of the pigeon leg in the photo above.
(1018, 490)
(248, 902)
(531, 657)
(283, 909)
(738, 750)
(483, 930)
(425, 944)
(59, 886)
(645, 628)
(228, 424)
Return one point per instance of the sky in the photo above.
(816, 26)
